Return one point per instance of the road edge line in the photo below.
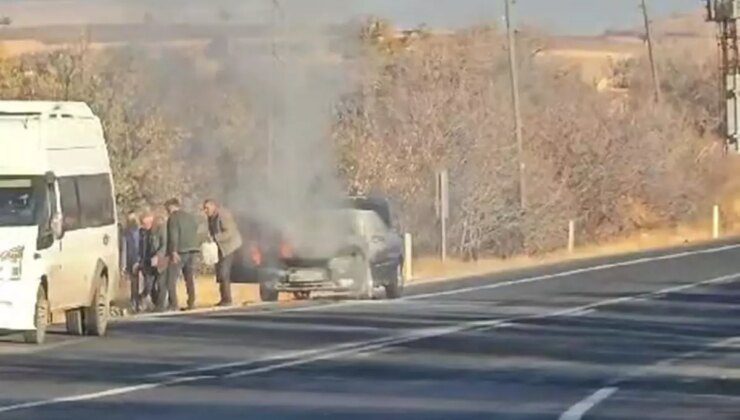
(577, 410)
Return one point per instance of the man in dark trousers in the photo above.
(152, 249)
(182, 248)
(131, 257)
(224, 231)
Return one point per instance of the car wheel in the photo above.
(268, 292)
(96, 316)
(74, 320)
(394, 288)
(40, 320)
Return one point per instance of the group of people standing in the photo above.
(158, 249)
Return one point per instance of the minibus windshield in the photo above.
(20, 198)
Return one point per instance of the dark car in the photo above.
(353, 249)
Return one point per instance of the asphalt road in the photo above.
(645, 336)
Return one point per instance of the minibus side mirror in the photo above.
(56, 222)
(47, 233)
(45, 241)
(57, 226)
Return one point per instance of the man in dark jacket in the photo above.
(131, 256)
(152, 249)
(182, 248)
(224, 231)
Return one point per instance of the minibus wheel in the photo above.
(96, 316)
(40, 319)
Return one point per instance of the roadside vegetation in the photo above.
(613, 163)
(180, 123)
(175, 126)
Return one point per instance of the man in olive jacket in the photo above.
(224, 231)
(182, 249)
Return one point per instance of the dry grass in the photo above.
(431, 269)
(592, 65)
(14, 48)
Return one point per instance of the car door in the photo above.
(394, 245)
(382, 244)
(393, 251)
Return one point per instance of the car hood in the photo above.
(325, 247)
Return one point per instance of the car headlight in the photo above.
(11, 263)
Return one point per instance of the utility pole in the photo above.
(726, 16)
(275, 13)
(442, 207)
(651, 55)
(514, 73)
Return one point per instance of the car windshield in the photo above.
(325, 222)
(349, 221)
(367, 223)
(19, 200)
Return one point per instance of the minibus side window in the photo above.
(70, 203)
(96, 200)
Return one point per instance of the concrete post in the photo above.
(571, 236)
(715, 222)
(408, 257)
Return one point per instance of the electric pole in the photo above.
(275, 13)
(726, 15)
(514, 73)
(651, 55)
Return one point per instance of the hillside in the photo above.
(595, 57)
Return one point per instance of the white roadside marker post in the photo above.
(715, 222)
(408, 257)
(571, 236)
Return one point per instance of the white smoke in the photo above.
(299, 79)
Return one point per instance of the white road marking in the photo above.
(321, 305)
(302, 354)
(275, 325)
(180, 314)
(608, 302)
(16, 349)
(573, 272)
(347, 349)
(361, 347)
(726, 343)
(577, 411)
(102, 394)
(582, 313)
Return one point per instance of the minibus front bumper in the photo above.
(17, 305)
